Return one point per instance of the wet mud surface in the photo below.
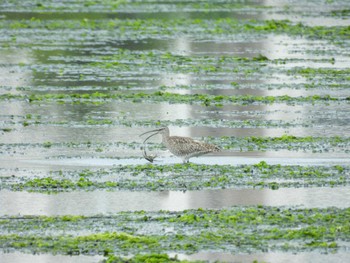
(266, 81)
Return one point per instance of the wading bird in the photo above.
(183, 147)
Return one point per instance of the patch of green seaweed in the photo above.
(166, 27)
(150, 177)
(121, 121)
(244, 229)
(159, 96)
(124, 59)
(116, 6)
(324, 73)
(284, 142)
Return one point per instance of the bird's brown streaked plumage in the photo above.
(183, 147)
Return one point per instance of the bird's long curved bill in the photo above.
(155, 133)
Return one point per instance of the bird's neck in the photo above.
(165, 137)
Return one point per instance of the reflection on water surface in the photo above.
(104, 202)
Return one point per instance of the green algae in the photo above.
(151, 177)
(127, 60)
(48, 184)
(159, 96)
(169, 27)
(342, 12)
(308, 144)
(94, 243)
(323, 73)
(284, 142)
(116, 6)
(245, 229)
(121, 121)
(299, 29)
(6, 129)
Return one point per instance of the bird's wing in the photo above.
(186, 145)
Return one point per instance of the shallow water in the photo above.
(104, 202)
(273, 257)
(210, 160)
(46, 258)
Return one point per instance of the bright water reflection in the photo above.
(272, 257)
(46, 258)
(104, 202)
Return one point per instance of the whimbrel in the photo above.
(183, 147)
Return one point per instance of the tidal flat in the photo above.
(180, 177)
(247, 229)
(266, 81)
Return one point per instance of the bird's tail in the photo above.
(213, 148)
